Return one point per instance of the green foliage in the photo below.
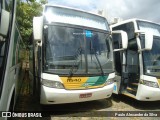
(26, 10)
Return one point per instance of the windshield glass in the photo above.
(74, 50)
(151, 58)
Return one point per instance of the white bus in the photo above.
(73, 56)
(138, 67)
(10, 56)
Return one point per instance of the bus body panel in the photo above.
(9, 79)
(13, 76)
(146, 93)
(59, 96)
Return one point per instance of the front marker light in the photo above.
(109, 81)
(149, 83)
(52, 84)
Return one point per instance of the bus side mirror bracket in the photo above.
(4, 25)
(124, 39)
(148, 40)
(37, 28)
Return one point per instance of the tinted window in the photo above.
(152, 59)
(117, 43)
(149, 27)
(132, 61)
(4, 42)
(128, 27)
(86, 50)
(9, 5)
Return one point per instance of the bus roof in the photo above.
(66, 7)
(68, 15)
(131, 20)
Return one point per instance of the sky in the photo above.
(124, 9)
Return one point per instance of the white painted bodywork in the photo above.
(59, 96)
(143, 92)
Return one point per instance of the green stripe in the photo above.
(101, 80)
(96, 81)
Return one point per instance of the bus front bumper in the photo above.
(146, 93)
(60, 96)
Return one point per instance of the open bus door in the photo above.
(126, 67)
(120, 44)
(118, 62)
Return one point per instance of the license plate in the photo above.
(85, 95)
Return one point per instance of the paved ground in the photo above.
(96, 110)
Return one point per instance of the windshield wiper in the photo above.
(98, 62)
(79, 50)
(92, 49)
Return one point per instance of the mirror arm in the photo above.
(116, 50)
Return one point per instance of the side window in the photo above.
(132, 61)
(117, 42)
(128, 27)
(117, 55)
(9, 5)
(132, 66)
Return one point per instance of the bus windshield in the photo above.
(152, 58)
(76, 50)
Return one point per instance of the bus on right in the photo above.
(138, 67)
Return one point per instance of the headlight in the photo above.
(149, 83)
(52, 84)
(110, 81)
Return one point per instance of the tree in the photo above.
(26, 10)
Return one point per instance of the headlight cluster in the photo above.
(149, 83)
(52, 84)
(110, 81)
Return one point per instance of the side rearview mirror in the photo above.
(4, 22)
(37, 28)
(148, 40)
(121, 38)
